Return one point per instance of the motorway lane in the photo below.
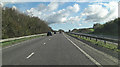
(53, 50)
(58, 51)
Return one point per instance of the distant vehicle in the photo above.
(49, 34)
(54, 32)
(60, 32)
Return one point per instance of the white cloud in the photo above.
(79, 24)
(74, 19)
(102, 12)
(48, 13)
(4, 2)
(41, 7)
(1, 4)
(97, 12)
(75, 8)
(14, 8)
(61, 16)
(59, 0)
(53, 6)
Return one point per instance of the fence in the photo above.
(96, 37)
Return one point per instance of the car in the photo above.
(54, 32)
(60, 32)
(49, 34)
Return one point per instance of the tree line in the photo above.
(109, 28)
(16, 24)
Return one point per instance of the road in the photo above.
(59, 49)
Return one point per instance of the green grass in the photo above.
(6, 43)
(91, 30)
(99, 43)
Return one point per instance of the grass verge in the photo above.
(91, 30)
(99, 43)
(6, 43)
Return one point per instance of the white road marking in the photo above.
(16, 44)
(30, 55)
(7, 47)
(44, 43)
(93, 60)
(49, 39)
(13, 45)
(108, 56)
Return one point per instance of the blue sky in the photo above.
(69, 15)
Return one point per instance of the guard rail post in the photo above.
(105, 41)
(96, 39)
(90, 38)
(119, 44)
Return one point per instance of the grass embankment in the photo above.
(92, 30)
(6, 43)
(110, 46)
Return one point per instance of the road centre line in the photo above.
(30, 55)
(93, 60)
(44, 43)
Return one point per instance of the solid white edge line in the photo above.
(93, 60)
(109, 57)
(30, 55)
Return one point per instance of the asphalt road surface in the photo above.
(59, 49)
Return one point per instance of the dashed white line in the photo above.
(30, 55)
(44, 43)
(16, 44)
(13, 45)
(93, 60)
(7, 47)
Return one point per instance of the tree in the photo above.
(96, 25)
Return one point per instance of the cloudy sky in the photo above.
(68, 15)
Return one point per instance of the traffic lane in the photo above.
(58, 51)
(100, 57)
(15, 55)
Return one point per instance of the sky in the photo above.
(68, 15)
